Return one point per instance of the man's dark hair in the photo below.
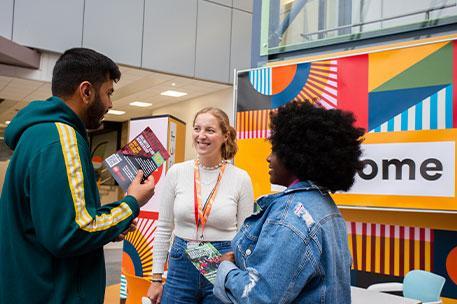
(316, 144)
(80, 64)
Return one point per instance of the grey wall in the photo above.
(204, 39)
(6, 18)
(170, 35)
(243, 5)
(54, 25)
(223, 2)
(213, 41)
(241, 40)
(115, 28)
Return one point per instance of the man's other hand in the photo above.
(131, 228)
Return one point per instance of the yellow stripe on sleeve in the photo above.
(75, 178)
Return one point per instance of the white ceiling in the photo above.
(135, 85)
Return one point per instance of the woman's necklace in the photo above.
(223, 161)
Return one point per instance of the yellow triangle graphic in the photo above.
(384, 66)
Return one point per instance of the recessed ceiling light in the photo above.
(140, 104)
(172, 93)
(173, 84)
(7, 122)
(116, 112)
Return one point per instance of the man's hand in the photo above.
(131, 228)
(229, 256)
(142, 191)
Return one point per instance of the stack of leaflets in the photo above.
(144, 152)
(206, 258)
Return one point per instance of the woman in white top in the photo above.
(202, 200)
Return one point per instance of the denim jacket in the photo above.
(294, 250)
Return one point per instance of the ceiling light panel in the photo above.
(172, 93)
(140, 104)
(116, 112)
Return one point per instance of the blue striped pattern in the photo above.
(432, 113)
(123, 287)
(261, 80)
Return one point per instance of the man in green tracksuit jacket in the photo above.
(52, 226)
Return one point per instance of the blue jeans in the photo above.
(185, 284)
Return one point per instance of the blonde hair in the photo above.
(229, 147)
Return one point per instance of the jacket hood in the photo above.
(51, 110)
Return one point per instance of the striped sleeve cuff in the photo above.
(133, 204)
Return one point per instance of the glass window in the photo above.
(299, 24)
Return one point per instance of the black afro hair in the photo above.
(316, 144)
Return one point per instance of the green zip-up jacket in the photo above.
(52, 226)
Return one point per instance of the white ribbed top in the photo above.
(233, 203)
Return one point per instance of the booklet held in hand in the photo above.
(144, 152)
(206, 258)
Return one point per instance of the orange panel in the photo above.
(282, 77)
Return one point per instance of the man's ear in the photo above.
(85, 91)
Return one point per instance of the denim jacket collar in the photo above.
(265, 201)
(301, 186)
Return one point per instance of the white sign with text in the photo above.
(413, 169)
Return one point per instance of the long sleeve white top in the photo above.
(233, 203)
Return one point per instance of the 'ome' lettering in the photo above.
(430, 169)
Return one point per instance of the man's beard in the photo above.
(95, 113)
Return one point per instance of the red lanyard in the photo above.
(202, 212)
(295, 181)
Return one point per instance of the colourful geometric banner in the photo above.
(390, 249)
(395, 250)
(261, 80)
(432, 113)
(406, 98)
(137, 252)
(407, 89)
(253, 124)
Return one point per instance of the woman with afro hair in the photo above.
(294, 248)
